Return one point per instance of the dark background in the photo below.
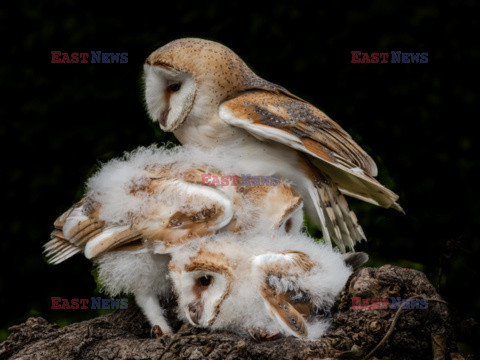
(58, 121)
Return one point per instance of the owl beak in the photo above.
(195, 310)
(163, 118)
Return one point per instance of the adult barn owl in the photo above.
(142, 208)
(206, 95)
(263, 286)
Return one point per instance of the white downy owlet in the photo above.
(262, 285)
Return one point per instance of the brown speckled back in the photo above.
(209, 61)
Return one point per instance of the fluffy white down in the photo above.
(245, 308)
(133, 273)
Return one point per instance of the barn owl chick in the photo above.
(206, 95)
(140, 209)
(260, 285)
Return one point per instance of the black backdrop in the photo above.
(58, 121)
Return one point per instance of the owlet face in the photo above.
(169, 95)
(202, 292)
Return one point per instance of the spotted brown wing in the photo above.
(291, 308)
(277, 116)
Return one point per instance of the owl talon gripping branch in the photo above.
(156, 332)
(259, 334)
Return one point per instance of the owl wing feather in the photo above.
(80, 229)
(290, 306)
(282, 117)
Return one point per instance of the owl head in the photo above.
(202, 284)
(191, 76)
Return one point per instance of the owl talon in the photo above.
(259, 334)
(156, 332)
(185, 327)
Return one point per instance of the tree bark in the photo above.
(125, 334)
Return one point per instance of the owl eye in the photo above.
(288, 225)
(174, 87)
(205, 280)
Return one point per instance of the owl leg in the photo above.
(151, 308)
(260, 334)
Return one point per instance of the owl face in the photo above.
(202, 280)
(169, 94)
(204, 292)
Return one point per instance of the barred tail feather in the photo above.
(341, 222)
(314, 195)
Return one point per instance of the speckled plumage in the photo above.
(219, 102)
(210, 61)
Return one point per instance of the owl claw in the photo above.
(185, 327)
(259, 334)
(156, 332)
